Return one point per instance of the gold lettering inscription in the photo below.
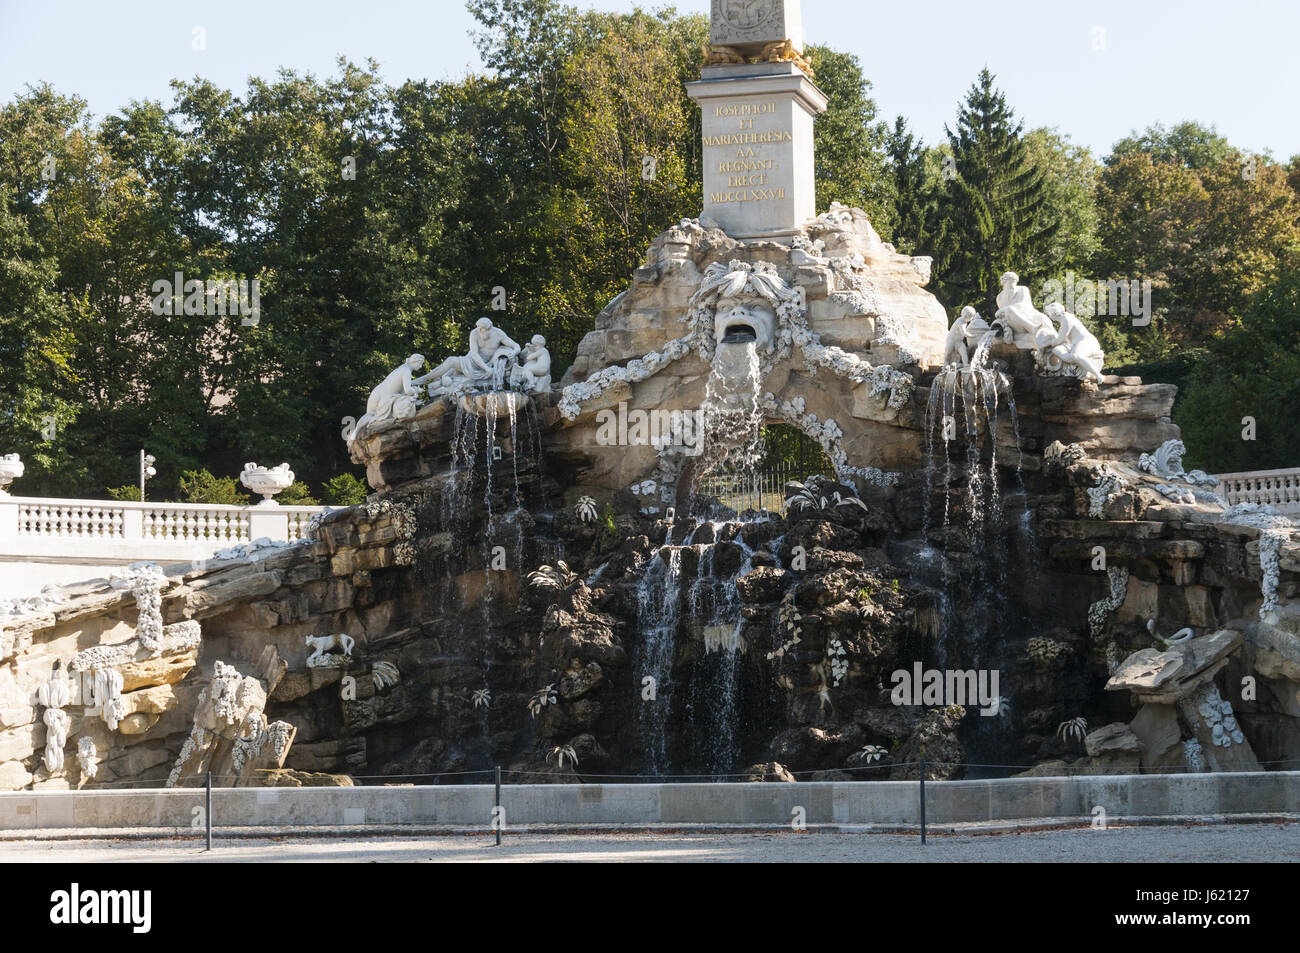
(748, 138)
(745, 109)
(747, 195)
(747, 165)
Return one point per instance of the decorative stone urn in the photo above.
(267, 481)
(11, 468)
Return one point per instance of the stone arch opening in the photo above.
(785, 454)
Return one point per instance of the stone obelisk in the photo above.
(758, 102)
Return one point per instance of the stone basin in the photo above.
(494, 403)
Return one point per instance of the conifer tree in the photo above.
(992, 214)
(913, 188)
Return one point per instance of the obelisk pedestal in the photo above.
(757, 122)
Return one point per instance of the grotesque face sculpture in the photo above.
(745, 320)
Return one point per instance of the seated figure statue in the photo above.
(965, 331)
(1071, 350)
(488, 345)
(533, 375)
(1016, 312)
(398, 395)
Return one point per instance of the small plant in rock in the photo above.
(561, 753)
(482, 698)
(809, 500)
(385, 675)
(607, 518)
(1045, 651)
(586, 510)
(870, 753)
(1003, 705)
(1073, 730)
(787, 621)
(556, 577)
(837, 656)
(542, 698)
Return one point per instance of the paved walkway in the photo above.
(1275, 842)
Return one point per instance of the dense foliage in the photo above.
(380, 219)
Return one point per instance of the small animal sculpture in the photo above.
(323, 645)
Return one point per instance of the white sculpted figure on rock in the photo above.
(965, 331)
(1016, 313)
(1167, 462)
(329, 650)
(490, 353)
(87, 757)
(533, 374)
(1072, 350)
(397, 396)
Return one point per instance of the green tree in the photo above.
(627, 166)
(1070, 176)
(345, 490)
(914, 187)
(1252, 371)
(849, 142)
(201, 486)
(297, 494)
(1187, 144)
(993, 213)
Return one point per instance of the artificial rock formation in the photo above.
(540, 581)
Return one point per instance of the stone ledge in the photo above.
(1153, 797)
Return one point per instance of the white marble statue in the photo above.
(397, 396)
(1071, 349)
(533, 374)
(965, 331)
(329, 650)
(1167, 462)
(490, 354)
(87, 757)
(1016, 312)
(11, 468)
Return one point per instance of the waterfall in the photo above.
(658, 607)
(733, 418)
(716, 682)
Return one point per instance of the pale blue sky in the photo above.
(1226, 62)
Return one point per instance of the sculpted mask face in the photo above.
(741, 320)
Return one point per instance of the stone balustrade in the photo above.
(1277, 488)
(45, 540)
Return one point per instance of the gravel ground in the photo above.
(1276, 842)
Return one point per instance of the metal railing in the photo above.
(752, 490)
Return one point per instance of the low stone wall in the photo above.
(876, 803)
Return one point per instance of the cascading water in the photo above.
(975, 609)
(658, 600)
(715, 683)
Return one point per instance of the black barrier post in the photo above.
(497, 813)
(923, 799)
(208, 812)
